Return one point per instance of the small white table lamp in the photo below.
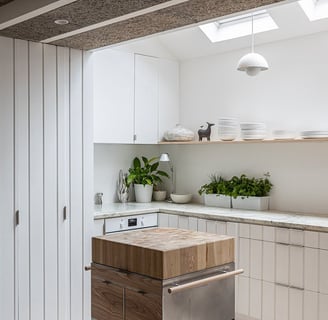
(166, 158)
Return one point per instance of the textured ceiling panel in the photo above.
(3, 2)
(80, 14)
(191, 12)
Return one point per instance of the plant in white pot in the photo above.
(216, 192)
(250, 193)
(144, 175)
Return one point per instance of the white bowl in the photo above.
(181, 198)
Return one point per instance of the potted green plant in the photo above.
(250, 193)
(143, 175)
(216, 192)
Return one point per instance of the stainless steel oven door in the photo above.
(205, 295)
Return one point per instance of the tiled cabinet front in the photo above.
(285, 270)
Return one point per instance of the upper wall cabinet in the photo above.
(136, 97)
(113, 97)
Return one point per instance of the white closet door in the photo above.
(63, 183)
(87, 177)
(50, 183)
(36, 182)
(146, 99)
(76, 185)
(22, 179)
(7, 249)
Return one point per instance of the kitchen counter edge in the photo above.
(268, 218)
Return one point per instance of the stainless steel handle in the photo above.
(65, 213)
(87, 268)
(205, 281)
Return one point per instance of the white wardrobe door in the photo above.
(87, 177)
(76, 187)
(63, 183)
(36, 182)
(7, 249)
(22, 179)
(50, 183)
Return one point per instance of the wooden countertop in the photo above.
(163, 253)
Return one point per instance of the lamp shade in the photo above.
(164, 157)
(252, 63)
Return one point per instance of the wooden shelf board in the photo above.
(194, 142)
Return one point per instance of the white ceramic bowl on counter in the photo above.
(181, 198)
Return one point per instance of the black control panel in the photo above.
(132, 222)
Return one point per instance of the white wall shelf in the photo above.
(245, 141)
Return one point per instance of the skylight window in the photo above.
(239, 26)
(315, 9)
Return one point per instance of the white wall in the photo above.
(109, 159)
(291, 95)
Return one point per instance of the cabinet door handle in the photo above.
(65, 213)
(17, 217)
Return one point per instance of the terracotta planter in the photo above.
(143, 193)
(217, 200)
(251, 203)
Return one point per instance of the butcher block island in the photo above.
(163, 273)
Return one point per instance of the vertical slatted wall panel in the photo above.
(22, 178)
(76, 189)
(63, 183)
(36, 182)
(50, 182)
(7, 250)
(87, 176)
(46, 158)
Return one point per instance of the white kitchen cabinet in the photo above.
(268, 268)
(323, 306)
(173, 221)
(146, 100)
(193, 223)
(211, 226)
(44, 232)
(295, 304)
(311, 269)
(256, 259)
(268, 298)
(201, 225)
(255, 299)
(183, 222)
(282, 264)
(168, 95)
(296, 267)
(243, 296)
(136, 97)
(311, 304)
(323, 267)
(281, 302)
(163, 220)
(244, 255)
(113, 96)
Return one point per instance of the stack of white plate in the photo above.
(314, 134)
(228, 129)
(253, 130)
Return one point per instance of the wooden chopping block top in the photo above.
(162, 253)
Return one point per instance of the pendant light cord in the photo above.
(252, 34)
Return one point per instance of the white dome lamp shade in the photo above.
(252, 63)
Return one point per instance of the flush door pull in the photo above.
(17, 217)
(65, 213)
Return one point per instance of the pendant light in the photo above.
(252, 63)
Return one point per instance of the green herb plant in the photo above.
(250, 187)
(217, 185)
(145, 172)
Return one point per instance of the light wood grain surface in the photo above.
(163, 253)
